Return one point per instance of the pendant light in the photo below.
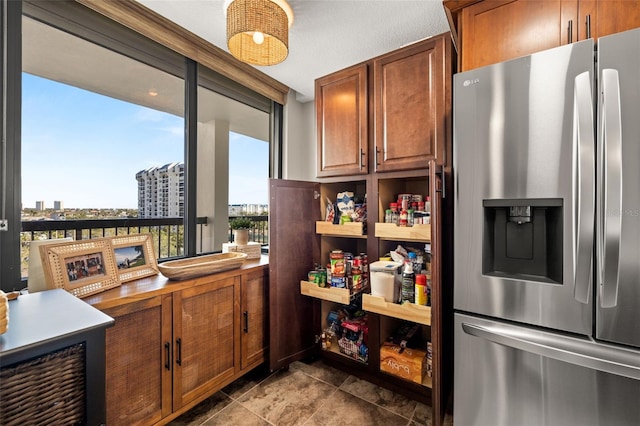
(258, 30)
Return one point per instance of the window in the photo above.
(233, 157)
(103, 113)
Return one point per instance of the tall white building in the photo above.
(40, 206)
(161, 191)
(58, 205)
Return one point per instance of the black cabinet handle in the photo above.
(361, 158)
(588, 24)
(377, 152)
(179, 346)
(167, 353)
(570, 32)
(246, 321)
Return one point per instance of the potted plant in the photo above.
(240, 227)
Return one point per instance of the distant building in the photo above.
(161, 191)
(247, 209)
(40, 206)
(58, 206)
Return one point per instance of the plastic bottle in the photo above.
(421, 289)
(427, 205)
(408, 280)
(388, 216)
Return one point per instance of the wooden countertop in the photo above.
(159, 284)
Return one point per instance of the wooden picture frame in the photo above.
(82, 267)
(134, 256)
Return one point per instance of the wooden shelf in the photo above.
(407, 311)
(332, 294)
(349, 229)
(390, 231)
(426, 381)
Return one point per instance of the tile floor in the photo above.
(309, 394)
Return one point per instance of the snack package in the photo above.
(346, 205)
(331, 212)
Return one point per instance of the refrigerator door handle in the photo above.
(610, 221)
(572, 350)
(583, 187)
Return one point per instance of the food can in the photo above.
(312, 275)
(337, 263)
(356, 279)
(321, 277)
(348, 262)
(338, 282)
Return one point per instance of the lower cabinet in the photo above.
(168, 352)
(254, 336)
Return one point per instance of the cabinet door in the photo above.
(410, 99)
(341, 120)
(206, 348)
(254, 318)
(293, 248)
(495, 31)
(599, 18)
(138, 365)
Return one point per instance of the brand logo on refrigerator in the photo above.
(468, 83)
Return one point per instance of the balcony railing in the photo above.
(168, 233)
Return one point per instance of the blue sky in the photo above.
(84, 149)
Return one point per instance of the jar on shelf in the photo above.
(403, 220)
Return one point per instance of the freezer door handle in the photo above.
(587, 354)
(583, 187)
(610, 161)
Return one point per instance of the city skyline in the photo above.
(95, 145)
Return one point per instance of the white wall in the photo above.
(299, 140)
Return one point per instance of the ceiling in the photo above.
(326, 36)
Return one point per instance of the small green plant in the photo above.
(240, 222)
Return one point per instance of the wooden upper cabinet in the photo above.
(410, 105)
(341, 119)
(492, 31)
(495, 31)
(598, 18)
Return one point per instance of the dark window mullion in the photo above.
(11, 40)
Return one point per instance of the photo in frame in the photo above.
(82, 267)
(134, 256)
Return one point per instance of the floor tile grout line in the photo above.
(241, 405)
(251, 388)
(336, 389)
(378, 405)
(359, 397)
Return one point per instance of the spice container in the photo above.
(421, 289)
(403, 221)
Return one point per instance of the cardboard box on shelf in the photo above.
(253, 250)
(410, 364)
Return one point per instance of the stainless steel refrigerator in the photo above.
(547, 238)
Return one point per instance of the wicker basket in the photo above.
(4, 312)
(45, 390)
